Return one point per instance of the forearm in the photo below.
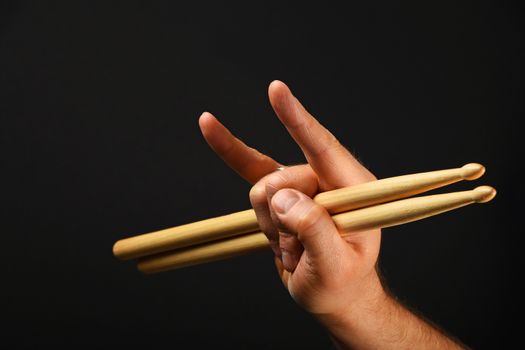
(380, 322)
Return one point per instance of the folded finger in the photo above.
(310, 223)
(301, 177)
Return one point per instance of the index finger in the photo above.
(248, 162)
(333, 163)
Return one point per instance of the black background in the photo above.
(99, 141)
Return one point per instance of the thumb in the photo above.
(310, 222)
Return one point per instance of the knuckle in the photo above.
(257, 194)
(289, 243)
(258, 158)
(276, 181)
(331, 143)
(332, 140)
(309, 218)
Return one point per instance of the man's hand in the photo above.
(321, 270)
(332, 277)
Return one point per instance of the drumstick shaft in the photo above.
(378, 216)
(335, 201)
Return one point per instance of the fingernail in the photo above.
(287, 261)
(283, 200)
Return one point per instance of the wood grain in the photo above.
(335, 201)
(378, 216)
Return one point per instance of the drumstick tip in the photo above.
(116, 249)
(140, 268)
(483, 194)
(472, 171)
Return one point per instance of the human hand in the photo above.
(324, 272)
(332, 277)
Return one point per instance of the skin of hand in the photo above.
(332, 277)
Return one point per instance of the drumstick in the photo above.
(335, 201)
(378, 216)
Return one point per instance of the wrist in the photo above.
(376, 320)
(370, 299)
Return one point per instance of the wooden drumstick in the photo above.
(335, 201)
(378, 216)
